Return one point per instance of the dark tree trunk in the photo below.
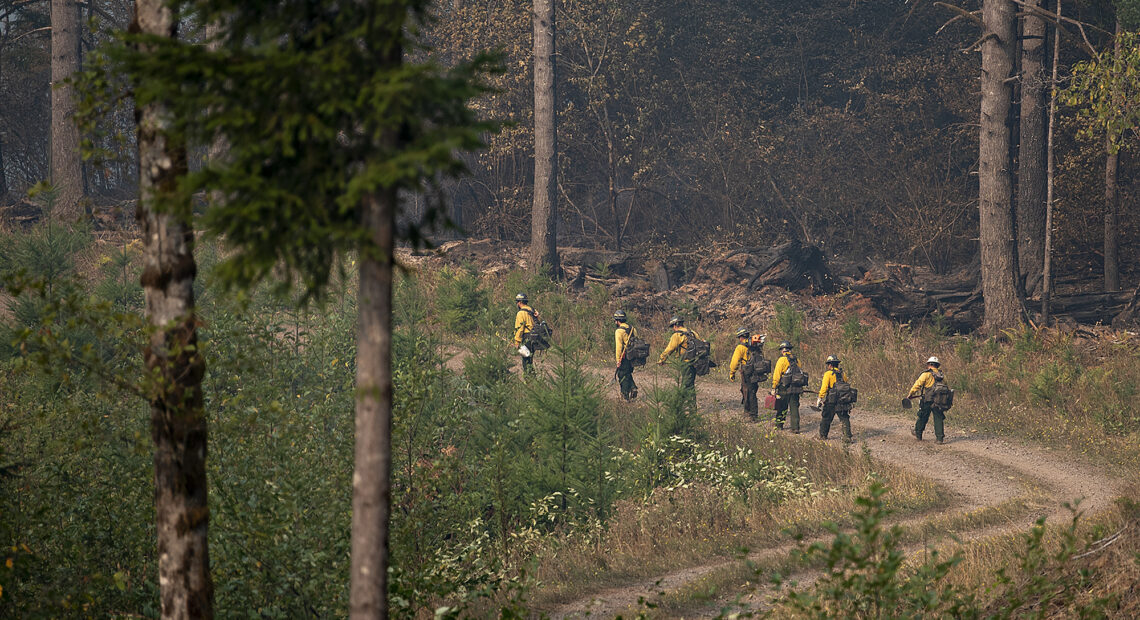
(66, 165)
(1111, 202)
(544, 215)
(178, 419)
(1031, 156)
(994, 175)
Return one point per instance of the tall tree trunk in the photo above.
(1111, 200)
(178, 419)
(994, 176)
(1031, 156)
(371, 489)
(1047, 271)
(3, 173)
(66, 165)
(544, 214)
(371, 477)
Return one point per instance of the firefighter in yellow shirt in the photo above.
(924, 382)
(679, 343)
(748, 348)
(787, 397)
(524, 323)
(833, 374)
(623, 332)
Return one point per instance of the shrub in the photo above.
(460, 301)
(789, 324)
(854, 332)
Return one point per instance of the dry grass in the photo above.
(698, 525)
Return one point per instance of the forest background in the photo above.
(852, 125)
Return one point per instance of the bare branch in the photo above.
(961, 14)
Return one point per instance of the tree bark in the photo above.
(1111, 200)
(371, 478)
(178, 419)
(1050, 163)
(544, 214)
(66, 164)
(370, 482)
(995, 191)
(1031, 156)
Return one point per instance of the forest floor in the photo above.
(1012, 481)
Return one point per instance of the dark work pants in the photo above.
(788, 405)
(924, 411)
(528, 365)
(689, 382)
(748, 397)
(625, 379)
(829, 413)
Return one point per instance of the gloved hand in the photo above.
(660, 362)
(771, 392)
(906, 403)
(732, 376)
(818, 402)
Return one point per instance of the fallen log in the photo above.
(791, 265)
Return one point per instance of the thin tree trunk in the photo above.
(371, 478)
(544, 214)
(370, 482)
(178, 420)
(66, 165)
(1111, 200)
(994, 177)
(1031, 156)
(1047, 272)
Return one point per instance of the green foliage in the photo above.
(460, 300)
(1106, 90)
(864, 576)
(573, 436)
(854, 331)
(329, 113)
(488, 366)
(789, 324)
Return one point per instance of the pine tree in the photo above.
(329, 126)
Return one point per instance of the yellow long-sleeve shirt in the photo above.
(524, 322)
(925, 381)
(740, 356)
(781, 366)
(621, 340)
(828, 381)
(678, 341)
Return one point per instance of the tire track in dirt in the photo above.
(980, 471)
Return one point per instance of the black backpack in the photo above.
(636, 350)
(697, 353)
(939, 395)
(538, 338)
(794, 379)
(756, 369)
(842, 395)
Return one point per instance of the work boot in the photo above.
(917, 437)
(939, 441)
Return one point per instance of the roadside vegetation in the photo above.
(507, 494)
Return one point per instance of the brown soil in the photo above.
(980, 471)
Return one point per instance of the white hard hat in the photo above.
(933, 360)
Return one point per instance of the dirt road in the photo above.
(978, 469)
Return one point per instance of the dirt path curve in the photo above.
(980, 470)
